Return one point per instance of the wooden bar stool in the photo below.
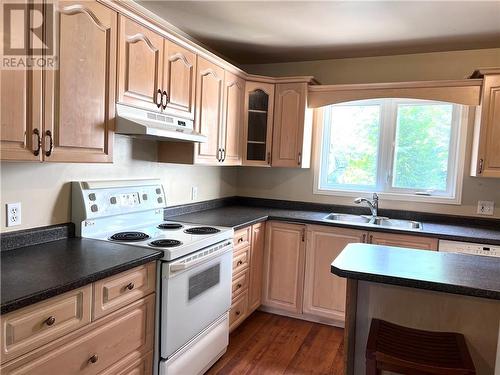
(415, 352)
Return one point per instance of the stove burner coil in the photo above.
(170, 226)
(129, 236)
(202, 230)
(165, 243)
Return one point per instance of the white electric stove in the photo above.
(194, 289)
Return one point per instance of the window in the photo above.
(397, 147)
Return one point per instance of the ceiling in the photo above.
(250, 32)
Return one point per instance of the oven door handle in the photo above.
(182, 266)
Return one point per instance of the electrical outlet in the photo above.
(194, 193)
(13, 214)
(485, 207)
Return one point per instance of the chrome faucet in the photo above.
(372, 204)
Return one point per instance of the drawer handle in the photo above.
(238, 313)
(240, 262)
(50, 320)
(130, 286)
(94, 358)
(238, 286)
(240, 239)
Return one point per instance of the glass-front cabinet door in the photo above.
(259, 106)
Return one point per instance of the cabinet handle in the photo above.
(158, 98)
(303, 235)
(364, 238)
(239, 263)
(94, 358)
(50, 146)
(219, 157)
(300, 158)
(269, 158)
(223, 155)
(164, 100)
(481, 162)
(130, 286)
(37, 142)
(50, 320)
(370, 238)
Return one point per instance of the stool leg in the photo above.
(371, 367)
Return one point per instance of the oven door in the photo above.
(195, 292)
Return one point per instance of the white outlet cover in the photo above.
(194, 193)
(485, 207)
(13, 214)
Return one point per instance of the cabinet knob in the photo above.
(94, 358)
(130, 286)
(50, 320)
(240, 239)
(239, 263)
(238, 286)
(237, 313)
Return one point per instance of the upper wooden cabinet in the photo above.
(140, 65)
(324, 293)
(486, 149)
(209, 102)
(284, 266)
(258, 123)
(230, 142)
(179, 79)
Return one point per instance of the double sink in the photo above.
(372, 221)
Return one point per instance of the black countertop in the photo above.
(469, 275)
(34, 273)
(239, 216)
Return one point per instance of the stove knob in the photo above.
(112, 200)
(94, 208)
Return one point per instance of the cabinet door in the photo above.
(179, 79)
(325, 293)
(258, 124)
(20, 111)
(284, 266)
(403, 240)
(209, 99)
(488, 156)
(140, 65)
(289, 117)
(80, 96)
(256, 265)
(234, 96)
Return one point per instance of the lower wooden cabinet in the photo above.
(284, 266)
(258, 234)
(403, 240)
(325, 293)
(119, 343)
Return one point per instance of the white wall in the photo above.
(294, 184)
(44, 188)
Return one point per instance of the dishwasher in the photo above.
(469, 248)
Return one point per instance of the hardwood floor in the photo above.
(272, 344)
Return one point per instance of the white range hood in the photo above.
(155, 126)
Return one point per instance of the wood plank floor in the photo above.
(272, 344)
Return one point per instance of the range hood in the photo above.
(155, 126)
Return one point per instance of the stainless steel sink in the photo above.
(375, 222)
(347, 218)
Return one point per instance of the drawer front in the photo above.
(29, 328)
(117, 291)
(238, 311)
(242, 238)
(240, 261)
(125, 338)
(240, 283)
(141, 366)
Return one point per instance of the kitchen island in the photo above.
(421, 289)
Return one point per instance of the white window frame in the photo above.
(385, 162)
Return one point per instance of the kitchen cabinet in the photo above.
(209, 102)
(21, 111)
(324, 293)
(284, 266)
(292, 129)
(64, 331)
(140, 65)
(258, 123)
(80, 96)
(258, 232)
(486, 145)
(230, 142)
(179, 79)
(403, 240)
